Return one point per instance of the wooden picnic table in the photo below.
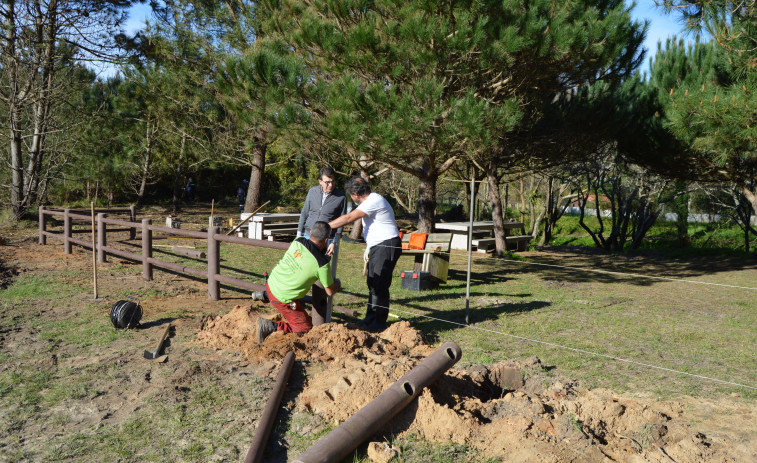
(459, 231)
(263, 221)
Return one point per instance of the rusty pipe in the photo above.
(255, 454)
(369, 419)
(188, 252)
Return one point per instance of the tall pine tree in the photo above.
(719, 118)
(418, 85)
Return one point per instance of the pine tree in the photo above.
(719, 118)
(419, 85)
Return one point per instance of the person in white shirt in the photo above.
(383, 247)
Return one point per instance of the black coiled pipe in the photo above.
(126, 314)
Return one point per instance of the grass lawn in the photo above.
(577, 320)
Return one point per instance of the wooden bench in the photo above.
(262, 222)
(512, 243)
(434, 258)
(281, 228)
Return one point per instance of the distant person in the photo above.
(323, 203)
(242, 194)
(304, 262)
(191, 187)
(383, 247)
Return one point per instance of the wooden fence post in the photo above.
(101, 237)
(146, 249)
(66, 231)
(42, 225)
(214, 264)
(133, 218)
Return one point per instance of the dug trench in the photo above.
(515, 411)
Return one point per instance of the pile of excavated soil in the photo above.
(544, 418)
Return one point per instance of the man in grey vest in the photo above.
(323, 203)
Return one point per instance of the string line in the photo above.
(584, 351)
(575, 349)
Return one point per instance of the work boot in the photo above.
(378, 323)
(370, 316)
(260, 296)
(265, 327)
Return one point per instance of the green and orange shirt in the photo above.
(301, 266)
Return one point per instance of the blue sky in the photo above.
(661, 25)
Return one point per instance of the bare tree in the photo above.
(626, 195)
(38, 39)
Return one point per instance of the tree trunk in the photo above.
(147, 161)
(177, 180)
(42, 109)
(10, 62)
(548, 207)
(427, 203)
(751, 196)
(522, 192)
(17, 170)
(255, 189)
(404, 206)
(682, 212)
(497, 216)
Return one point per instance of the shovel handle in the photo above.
(162, 340)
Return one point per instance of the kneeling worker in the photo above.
(304, 262)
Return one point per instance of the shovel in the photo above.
(156, 352)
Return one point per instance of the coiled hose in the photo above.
(126, 314)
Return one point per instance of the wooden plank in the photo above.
(276, 226)
(431, 238)
(437, 266)
(280, 231)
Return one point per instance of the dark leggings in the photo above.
(382, 259)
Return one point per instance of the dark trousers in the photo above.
(381, 262)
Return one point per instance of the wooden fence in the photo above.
(213, 236)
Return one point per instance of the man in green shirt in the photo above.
(304, 262)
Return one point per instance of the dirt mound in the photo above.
(230, 331)
(544, 418)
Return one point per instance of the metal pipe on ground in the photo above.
(188, 252)
(369, 419)
(255, 454)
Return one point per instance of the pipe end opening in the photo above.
(451, 353)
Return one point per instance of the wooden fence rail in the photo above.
(213, 236)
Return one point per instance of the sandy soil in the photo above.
(546, 418)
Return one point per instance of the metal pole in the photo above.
(133, 218)
(66, 231)
(334, 259)
(214, 264)
(146, 249)
(42, 225)
(101, 237)
(94, 252)
(369, 419)
(255, 454)
(470, 247)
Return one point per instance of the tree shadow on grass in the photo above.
(582, 264)
(431, 321)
